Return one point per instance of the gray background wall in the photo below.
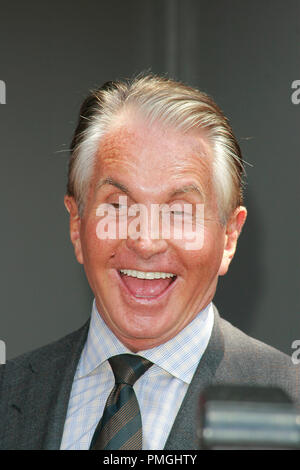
(244, 53)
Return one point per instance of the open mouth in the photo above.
(146, 284)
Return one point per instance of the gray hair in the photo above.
(180, 106)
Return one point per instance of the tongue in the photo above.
(146, 287)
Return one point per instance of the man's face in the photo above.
(152, 165)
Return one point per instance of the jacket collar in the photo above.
(183, 434)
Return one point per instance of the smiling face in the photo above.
(147, 290)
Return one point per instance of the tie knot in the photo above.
(128, 368)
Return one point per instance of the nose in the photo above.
(144, 235)
(145, 247)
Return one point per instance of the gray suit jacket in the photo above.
(35, 387)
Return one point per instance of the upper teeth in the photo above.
(146, 275)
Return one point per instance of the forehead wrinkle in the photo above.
(114, 154)
(112, 151)
(114, 142)
(109, 169)
(198, 176)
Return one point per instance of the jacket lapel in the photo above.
(39, 401)
(183, 434)
(57, 416)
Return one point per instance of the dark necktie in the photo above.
(121, 425)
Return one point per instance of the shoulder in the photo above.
(241, 344)
(48, 356)
(247, 360)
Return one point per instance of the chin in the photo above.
(148, 329)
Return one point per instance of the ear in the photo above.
(233, 229)
(75, 222)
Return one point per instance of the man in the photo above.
(155, 204)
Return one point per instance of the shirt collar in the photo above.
(179, 356)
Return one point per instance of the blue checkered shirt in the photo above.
(159, 391)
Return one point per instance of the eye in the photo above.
(174, 212)
(181, 209)
(119, 203)
(118, 206)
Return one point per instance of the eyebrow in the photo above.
(188, 189)
(184, 189)
(112, 182)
